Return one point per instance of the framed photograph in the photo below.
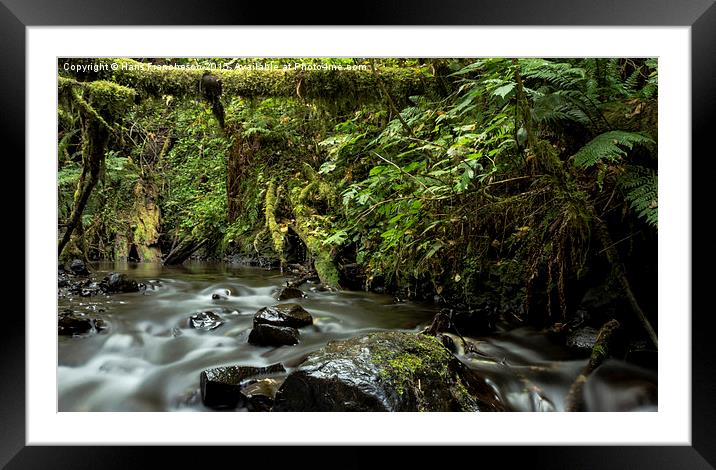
(438, 212)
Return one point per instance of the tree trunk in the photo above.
(94, 136)
(184, 250)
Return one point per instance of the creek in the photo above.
(149, 358)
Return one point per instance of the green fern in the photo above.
(67, 177)
(561, 92)
(641, 186)
(560, 75)
(609, 146)
(557, 106)
(652, 83)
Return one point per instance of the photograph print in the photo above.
(357, 234)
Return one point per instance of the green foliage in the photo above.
(271, 223)
(641, 186)
(441, 196)
(353, 82)
(194, 198)
(609, 146)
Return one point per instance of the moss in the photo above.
(418, 361)
(104, 100)
(271, 223)
(329, 87)
(115, 99)
(598, 352)
(402, 370)
(306, 192)
(145, 222)
(121, 247)
(326, 269)
(313, 228)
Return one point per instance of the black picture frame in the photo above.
(700, 15)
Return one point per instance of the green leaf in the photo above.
(326, 168)
(504, 90)
(608, 146)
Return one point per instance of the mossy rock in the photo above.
(384, 371)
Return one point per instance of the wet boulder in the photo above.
(70, 324)
(270, 335)
(78, 267)
(447, 341)
(321, 288)
(221, 386)
(292, 315)
(90, 290)
(384, 371)
(220, 294)
(75, 286)
(63, 279)
(117, 283)
(582, 340)
(260, 393)
(286, 293)
(205, 321)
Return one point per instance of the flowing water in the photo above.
(149, 359)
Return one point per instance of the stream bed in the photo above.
(149, 358)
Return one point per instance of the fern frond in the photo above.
(553, 107)
(642, 192)
(629, 87)
(68, 176)
(560, 75)
(608, 146)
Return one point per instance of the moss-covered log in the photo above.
(275, 230)
(321, 84)
(146, 223)
(313, 227)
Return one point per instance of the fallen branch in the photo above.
(600, 351)
(184, 250)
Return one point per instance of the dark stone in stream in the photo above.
(221, 386)
(116, 283)
(70, 324)
(90, 290)
(260, 394)
(205, 321)
(582, 340)
(447, 341)
(321, 288)
(292, 315)
(78, 267)
(72, 284)
(221, 294)
(384, 371)
(269, 335)
(63, 279)
(286, 293)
